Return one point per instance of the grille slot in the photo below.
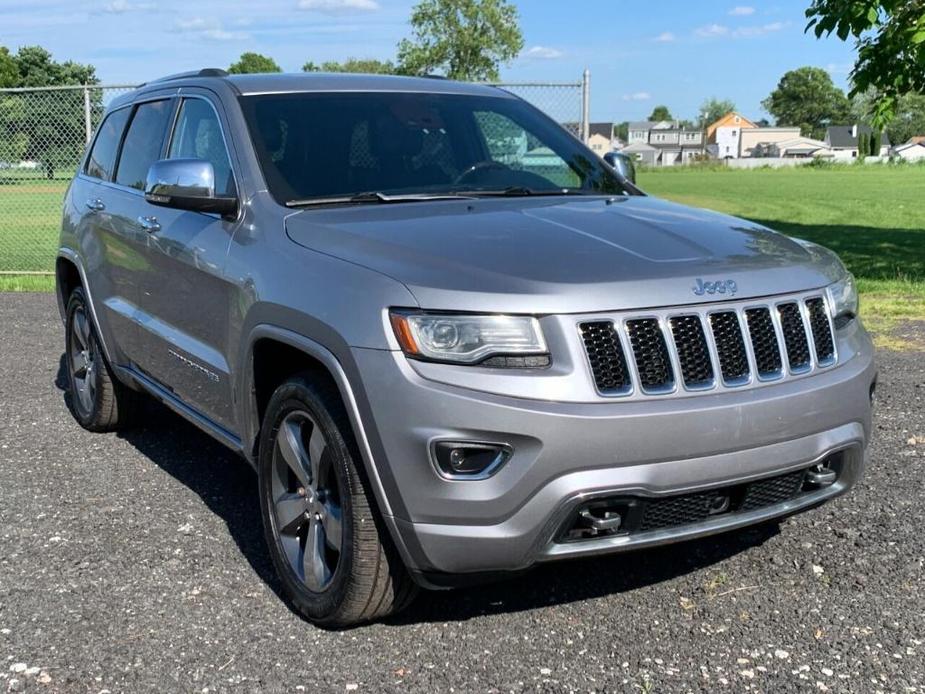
(764, 342)
(730, 347)
(822, 331)
(693, 351)
(791, 323)
(650, 354)
(697, 348)
(605, 354)
(772, 491)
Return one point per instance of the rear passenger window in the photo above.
(103, 155)
(198, 135)
(142, 146)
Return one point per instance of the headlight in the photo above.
(843, 300)
(470, 339)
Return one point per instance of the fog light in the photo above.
(470, 460)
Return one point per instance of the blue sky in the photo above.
(640, 54)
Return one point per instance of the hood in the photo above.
(563, 255)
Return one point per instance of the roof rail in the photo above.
(205, 72)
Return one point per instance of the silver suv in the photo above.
(452, 341)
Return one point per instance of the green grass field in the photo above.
(872, 216)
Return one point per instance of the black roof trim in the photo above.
(205, 72)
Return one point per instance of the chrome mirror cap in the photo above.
(186, 184)
(622, 164)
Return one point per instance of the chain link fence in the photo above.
(43, 133)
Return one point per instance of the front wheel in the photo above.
(334, 560)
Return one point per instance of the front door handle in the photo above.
(149, 224)
(95, 204)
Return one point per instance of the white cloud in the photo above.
(742, 11)
(748, 32)
(339, 6)
(665, 37)
(543, 53)
(209, 29)
(123, 6)
(838, 68)
(712, 30)
(637, 96)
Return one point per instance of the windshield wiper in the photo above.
(523, 191)
(376, 197)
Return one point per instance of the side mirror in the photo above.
(186, 184)
(622, 164)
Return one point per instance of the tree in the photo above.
(47, 127)
(660, 113)
(251, 63)
(622, 130)
(806, 97)
(463, 39)
(365, 65)
(9, 70)
(890, 40)
(874, 143)
(908, 119)
(713, 109)
(863, 145)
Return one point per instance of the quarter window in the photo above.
(103, 154)
(198, 135)
(142, 146)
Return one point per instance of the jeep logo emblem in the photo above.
(718, 287)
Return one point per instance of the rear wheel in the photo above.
(334, 559)
(97, 400)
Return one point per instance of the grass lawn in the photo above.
(872, 216)
(30, 219)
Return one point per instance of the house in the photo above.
(843, 139)
(763, 139)
(642, 153)
(638, 131)
(798, 147)
(913, 150)
(725, 133)
(601, 138)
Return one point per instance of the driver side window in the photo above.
(510, 144)
(198, 135)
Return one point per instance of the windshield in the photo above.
(313, 146)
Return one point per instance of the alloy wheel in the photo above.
(83, 360)
(306, 501)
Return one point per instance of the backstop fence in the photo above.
(43, 133)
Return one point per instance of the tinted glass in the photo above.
(313, 145)
(142, 145)
(103, 155)
(198, 135)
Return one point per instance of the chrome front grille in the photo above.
(697, 348)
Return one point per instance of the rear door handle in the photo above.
(149, 224)
(95, 204)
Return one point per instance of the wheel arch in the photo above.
(268, 341)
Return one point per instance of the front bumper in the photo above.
(566, 453)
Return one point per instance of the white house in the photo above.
(910, 151)
(843, 140)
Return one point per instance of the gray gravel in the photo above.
(135, 563)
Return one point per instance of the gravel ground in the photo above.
(135, 563)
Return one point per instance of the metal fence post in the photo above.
(88, 124)
(586, 106)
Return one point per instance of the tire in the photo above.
(326, 540)
(97, 400)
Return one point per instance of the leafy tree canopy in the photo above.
(713, 109)
(367, 65)
(660, 113)
(463, 39)
(890, 38)
(9, 70)
(251, 63)
(908, 115)
(806, 97)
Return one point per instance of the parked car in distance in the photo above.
(452, 341)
